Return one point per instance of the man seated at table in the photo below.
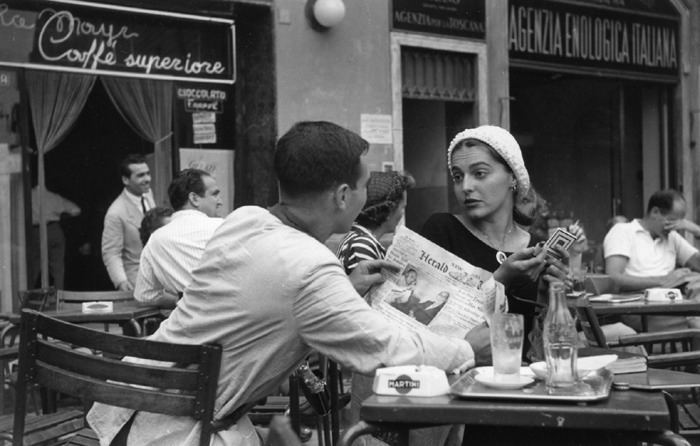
(269, 291)
(649, 252)
(172, 252)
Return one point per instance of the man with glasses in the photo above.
(649, 252)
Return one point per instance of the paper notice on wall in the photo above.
(376, 129)
(219, 163)
(204, 118)
(204, 133)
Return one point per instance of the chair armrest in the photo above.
(663, 336)
(665, 360)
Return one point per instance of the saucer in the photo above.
(485, 377)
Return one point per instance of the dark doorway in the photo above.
(83, 168)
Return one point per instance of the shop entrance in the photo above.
(84, 169)
(594, 147)
(438, 90)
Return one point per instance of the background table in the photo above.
(627, 415)
(682, 307)
(129, 314)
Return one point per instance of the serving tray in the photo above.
(594, 386)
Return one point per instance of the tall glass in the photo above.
(506, 331)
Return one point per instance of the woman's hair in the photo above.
(385, 190)
(153, 219)
(528, 208)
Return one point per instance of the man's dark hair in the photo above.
(133, 158)
(663, 200)
(185, 182)
(152, 220)
(314, 156)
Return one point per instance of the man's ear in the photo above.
(125, 180)
(340, 195)
(193, 199)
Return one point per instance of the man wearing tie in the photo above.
(121, 244)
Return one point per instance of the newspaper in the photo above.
(435, 289)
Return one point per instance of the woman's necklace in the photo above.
(500, 254)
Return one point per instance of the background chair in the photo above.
(671, 350)
(187, 388)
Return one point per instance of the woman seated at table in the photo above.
(489, 177)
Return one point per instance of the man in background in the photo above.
(174, 250)
(121, 243)
(55, 206)
(649, 252)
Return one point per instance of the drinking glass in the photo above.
(507, 332)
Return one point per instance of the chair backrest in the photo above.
(39, 299)
(90, 296)
(589, 323)
(600, 284)
(187, 388)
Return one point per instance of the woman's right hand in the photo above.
(529, 262)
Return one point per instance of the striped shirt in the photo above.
(359, 244)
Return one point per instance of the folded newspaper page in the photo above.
(435, 289)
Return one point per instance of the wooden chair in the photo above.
(187, 388)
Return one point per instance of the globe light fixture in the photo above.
(325, 14)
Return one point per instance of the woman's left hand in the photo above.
(529, 262)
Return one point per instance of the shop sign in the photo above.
(114, 40)
(620, 38)
(202, 99)
(462, 18)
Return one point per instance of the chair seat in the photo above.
(43, 428)
(84, 437)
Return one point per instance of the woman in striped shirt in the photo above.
(386, 201)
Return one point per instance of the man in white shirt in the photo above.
(54, 206)
(649, 252)
(174, 250)
(121, 242)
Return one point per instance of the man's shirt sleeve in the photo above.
(617, 243)
(337, 322)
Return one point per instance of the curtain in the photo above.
(56, 100)
(147, 106)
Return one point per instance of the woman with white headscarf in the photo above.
(489, 177)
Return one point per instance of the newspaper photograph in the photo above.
(435, 289)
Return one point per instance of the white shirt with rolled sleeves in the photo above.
(647, 256)
(269, 294)
(172, 252)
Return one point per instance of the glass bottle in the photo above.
(560, 339)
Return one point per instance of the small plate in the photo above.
(485, 377)
(583, 365)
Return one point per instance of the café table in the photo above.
(626, 416)
(129, 314)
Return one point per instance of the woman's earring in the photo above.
(514, 186)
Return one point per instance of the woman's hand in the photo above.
(556, 271)
(528, 262)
